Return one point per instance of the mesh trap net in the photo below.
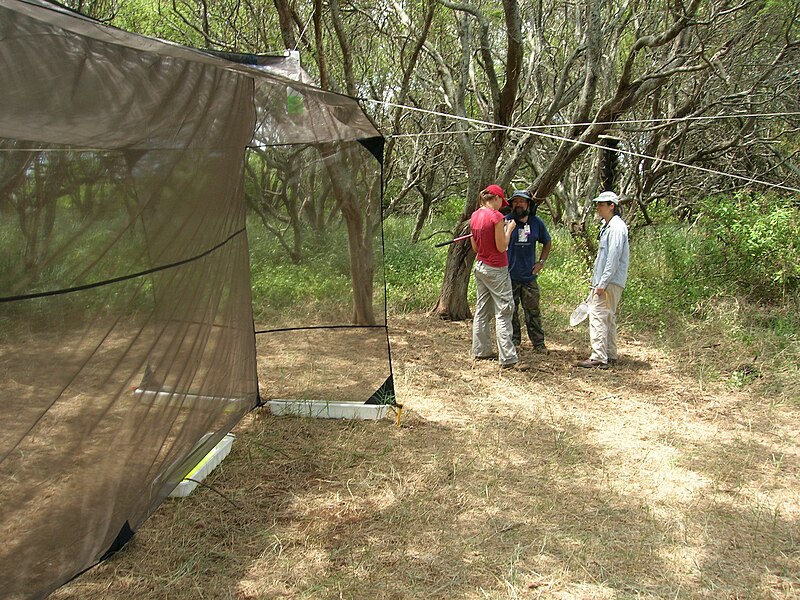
(182, 235)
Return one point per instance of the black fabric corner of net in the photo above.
(124, 536)
(375, 146)
(384, 394)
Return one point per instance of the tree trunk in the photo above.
(346, 184)
(452, 304)
(584, 244)
(285, 19)
(422, 216)
(481, 166)
(362, 270)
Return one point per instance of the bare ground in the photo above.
(638, 482)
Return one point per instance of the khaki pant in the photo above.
(603, 323)
(494, 300)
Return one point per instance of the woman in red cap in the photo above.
(490, 236)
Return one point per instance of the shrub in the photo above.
(752, 243)
(413, 271)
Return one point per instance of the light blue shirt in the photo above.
(613, 255)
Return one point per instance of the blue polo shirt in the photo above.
(522, 248)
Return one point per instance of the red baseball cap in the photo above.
(496, 190)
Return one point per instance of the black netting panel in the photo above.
(134, 223)
(316, 248)
(109, 378)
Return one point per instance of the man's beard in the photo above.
(520, 213)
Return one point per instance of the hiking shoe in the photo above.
(485, 357)
(541, 349)
(517, 366)
(592, 364)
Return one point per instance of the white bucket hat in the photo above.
(607, 197)
(580, 313)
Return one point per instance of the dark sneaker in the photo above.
(541, 350)
(612, 362)
(592, 364)
(517, 366)
(486, 357)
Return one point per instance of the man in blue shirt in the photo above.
(609, 277)
(524, 268)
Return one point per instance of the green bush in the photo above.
(449, 209)
(675, 296)
(566, 278)
(751, 244)
(660, 279)
(413, 271)
(320, 284)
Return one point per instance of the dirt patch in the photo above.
(556, 483)
(340, 364)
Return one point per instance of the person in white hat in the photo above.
(609, 276)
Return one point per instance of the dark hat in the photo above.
(524, 194)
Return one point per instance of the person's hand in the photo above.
(537, 267)
(599, 291)
(510, 225)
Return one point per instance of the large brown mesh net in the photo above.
(179, 229)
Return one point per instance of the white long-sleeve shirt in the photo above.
(613, 255)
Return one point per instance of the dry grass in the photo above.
(639, 482)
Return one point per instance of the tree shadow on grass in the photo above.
(495, 485)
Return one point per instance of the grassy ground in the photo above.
(647, 481)
(675, 475)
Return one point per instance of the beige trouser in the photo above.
(603, 323)
(495, 300)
